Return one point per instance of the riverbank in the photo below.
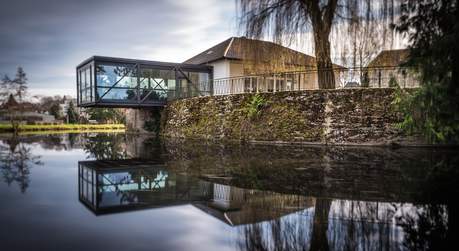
(7, 128)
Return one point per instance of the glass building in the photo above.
(118, 82)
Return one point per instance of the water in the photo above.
(121, 192)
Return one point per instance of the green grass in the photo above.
(62, 127)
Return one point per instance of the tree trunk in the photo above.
(325, 75)
(319, 240)
(321, 19)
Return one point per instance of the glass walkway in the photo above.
(119, 82)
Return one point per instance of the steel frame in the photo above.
(136, 66)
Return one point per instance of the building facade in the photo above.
(242, 65)
(387, 70)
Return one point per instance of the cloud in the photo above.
(50, 37)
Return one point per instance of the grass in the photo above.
(62, 127)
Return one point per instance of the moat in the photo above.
(115, 191)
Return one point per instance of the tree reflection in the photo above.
(284, 231)
(16, 159)
(435, 225)
(427, 229)
(106, 147)
(319, 239)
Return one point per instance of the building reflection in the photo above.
(124, 185)
(263, 219)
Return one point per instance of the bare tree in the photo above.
(285, 20)
(10, 91)
(20, 84)
(5, 89)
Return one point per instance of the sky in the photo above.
(48, 38)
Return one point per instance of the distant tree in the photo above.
(46, 102)
(287, 20)
(107, 115)
(55, 110)
(72, 114)
(432, 27)
(20, 84)
(14, 89)
(5, 88)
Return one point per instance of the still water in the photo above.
(121, 192)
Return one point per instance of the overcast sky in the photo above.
(48, 38)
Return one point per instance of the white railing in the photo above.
(374, 77)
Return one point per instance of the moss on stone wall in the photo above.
(317, 116)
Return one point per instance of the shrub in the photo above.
(254, 107)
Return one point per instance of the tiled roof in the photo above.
(389, 58)
(241, 48)
(215, 53)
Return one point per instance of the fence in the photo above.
(374, 77)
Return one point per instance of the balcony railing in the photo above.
(372, 77)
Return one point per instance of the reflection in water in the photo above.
(263, 219)
(115, 186)
(112, 186)
(16, 159)
(270, 197)
(106, 146)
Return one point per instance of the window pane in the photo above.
(86, 78)
(117, 94)
(155, 78)
(121, 74)
(151, 96)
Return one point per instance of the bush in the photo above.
(254, 107)
(393, 82)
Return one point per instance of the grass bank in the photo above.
(63, 127)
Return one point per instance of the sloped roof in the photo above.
(12, 104)
(241, 48)
(388, 58)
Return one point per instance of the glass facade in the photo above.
(116, 82)
(85, 82)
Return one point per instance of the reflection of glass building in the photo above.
(103, 81)
(113, 186)
(116, 186)
(264, 218)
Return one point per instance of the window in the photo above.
(85, 83)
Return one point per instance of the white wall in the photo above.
(225, 69)
(221, 68)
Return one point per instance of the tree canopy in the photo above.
(16, 87)
(287, 21)
(432, 27)
(107, 115)
(72, 114)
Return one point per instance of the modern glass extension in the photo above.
(118, 82)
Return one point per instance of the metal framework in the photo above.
(107, 187)
(120, 82)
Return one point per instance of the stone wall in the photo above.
(348, 116)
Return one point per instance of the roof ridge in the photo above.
(227, 47)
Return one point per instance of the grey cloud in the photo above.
(50, 37)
